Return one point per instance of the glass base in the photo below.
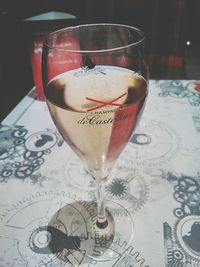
(81, 241)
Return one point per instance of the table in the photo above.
(157, 179)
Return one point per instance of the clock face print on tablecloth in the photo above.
(153, 143)
(22, 155)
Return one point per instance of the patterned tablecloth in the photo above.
(157, 179)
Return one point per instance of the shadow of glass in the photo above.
(73, 237)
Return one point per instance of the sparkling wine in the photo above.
(96, 111)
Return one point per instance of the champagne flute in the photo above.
(95, 81)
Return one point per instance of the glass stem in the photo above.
(101, 211)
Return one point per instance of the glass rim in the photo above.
(132, 44)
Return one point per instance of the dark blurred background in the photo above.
(171, 28)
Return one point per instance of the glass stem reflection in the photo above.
(101, 211)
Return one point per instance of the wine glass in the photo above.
(95, 82)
